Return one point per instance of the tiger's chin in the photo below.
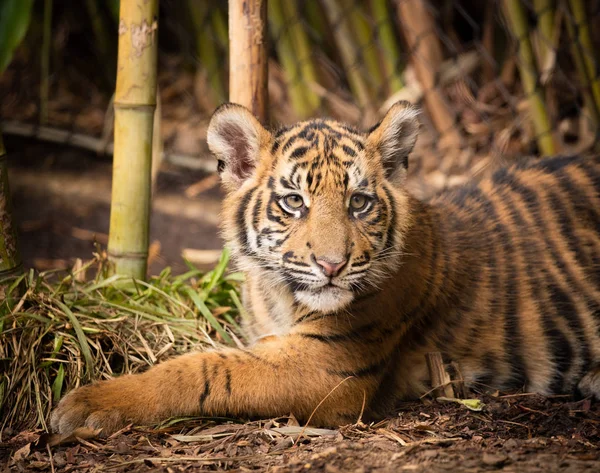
(327, 299)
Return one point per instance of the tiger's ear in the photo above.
(394, 138)
(235, 137)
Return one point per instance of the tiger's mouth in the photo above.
(327, 298)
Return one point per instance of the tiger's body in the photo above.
(351, 281)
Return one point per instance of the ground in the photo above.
(513, 433)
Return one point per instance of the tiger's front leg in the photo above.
(291, 374)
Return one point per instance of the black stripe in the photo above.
(561, 303)
(256, 211)
(304, 317)
(358, 333)
(206, 391)
(391, 230)
(273, 203)
(514, 338)
(349, 151)
(228, 381)
(289, 143)
(241, 220)
(299, 152)
(372, 369)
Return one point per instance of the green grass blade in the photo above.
(83, 343)
(207, 314)
(57, 385)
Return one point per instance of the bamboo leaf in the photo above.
(15, 16)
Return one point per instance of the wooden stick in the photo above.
(418, 27)
(248, 66)
(135, 104)
(99, 145)
(440, 379)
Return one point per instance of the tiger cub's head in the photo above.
(318, 206)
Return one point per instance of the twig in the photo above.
(319, 405)
(97, 145)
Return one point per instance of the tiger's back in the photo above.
(513, 288)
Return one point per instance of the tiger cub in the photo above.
(351, 281)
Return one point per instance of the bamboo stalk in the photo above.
(287, 57)
(294, 55)
(303, 54)
(10, 259)
(544, 11)
(348, 50)
(135, 103)
(366, 50)
(248, 66)
(586, 62)
(45, 66)
(418, 26)
(103, 39)
(390, 56)
(517, 21)
(219, 25)
(206, 50)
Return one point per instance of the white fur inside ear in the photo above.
(399, 131)
(233, 136)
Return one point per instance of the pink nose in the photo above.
(330, 268)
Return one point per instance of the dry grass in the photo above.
(57, 332)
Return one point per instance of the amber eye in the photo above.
(293, 201)
(359, 202)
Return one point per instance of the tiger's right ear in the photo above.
(235, 137)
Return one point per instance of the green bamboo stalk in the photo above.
(346, 44)
(390, 56)
(585, 59)
(205, 49)
(219, 24)
(588, 97)
(303, 53)
(135, 104)
(544, 11)
(10, 259)
(286, 53)
(366, 51)
(292, 49)
(103, 39)
(517, 21)
(45, 66)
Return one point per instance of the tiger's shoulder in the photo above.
(576, 177)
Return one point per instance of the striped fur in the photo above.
(502, 276)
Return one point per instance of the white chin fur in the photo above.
(328, 300)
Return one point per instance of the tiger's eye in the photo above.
(294, 201)
(358, 202)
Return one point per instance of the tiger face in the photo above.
(319, 206)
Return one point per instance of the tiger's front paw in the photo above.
(100, 406)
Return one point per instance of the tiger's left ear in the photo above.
(235, 137)
(394, 138)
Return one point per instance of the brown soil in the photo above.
(513, 433)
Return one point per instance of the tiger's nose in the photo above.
(330, 267)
